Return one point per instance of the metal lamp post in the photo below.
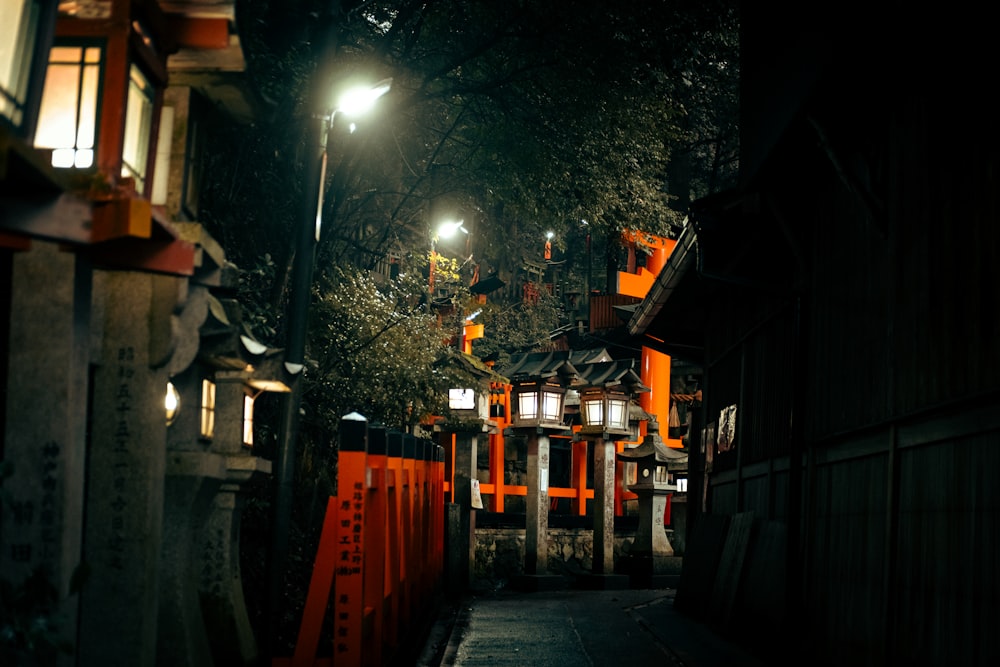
(353, 103)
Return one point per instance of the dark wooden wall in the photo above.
(876, 448)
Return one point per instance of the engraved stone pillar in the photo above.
(462, 543)
(536, 536)
(604, 506)
(118, 606)
(45, 435)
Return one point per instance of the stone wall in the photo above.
(500, 553)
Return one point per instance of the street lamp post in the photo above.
(445, 230)
(353, 103)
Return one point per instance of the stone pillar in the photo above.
(119, 603)
(650, 536)
(220, 582)
(536, 535)
(193, 476)
(604, 506)
(192, 482)
(45, 435)
(462, 519)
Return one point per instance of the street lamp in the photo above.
(445, 230)
(352, 103)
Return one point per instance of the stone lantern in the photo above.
(538, 397)
(459, 433)
(606, 395)
(651, 553)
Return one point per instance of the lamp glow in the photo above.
(447, 229)
(171, 403)
(360, 100)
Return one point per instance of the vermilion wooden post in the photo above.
(318, 597)
(426, 521)
(375, 546)
(439, 513)
(394, 550)
(410, 502)
(418, 522)
(498, 446)
(348, 602)
(420, 545)
(579, 469)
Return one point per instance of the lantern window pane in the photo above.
(67, 118)
(551, 406)
(138, 127)
(593, 411)
(617, 413)
(462, 399)
(527, 405)
(207, 408)
(18, 31)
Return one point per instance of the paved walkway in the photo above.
(576, 627)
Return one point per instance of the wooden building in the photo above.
(843, 304)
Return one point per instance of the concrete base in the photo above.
(602, 582)
(538, 582)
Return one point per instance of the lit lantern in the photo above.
(606, 398)
(539, 402)
(604, 410)
(468, 403)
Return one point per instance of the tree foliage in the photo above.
(378, 351)
(521, 117)
(518, 327)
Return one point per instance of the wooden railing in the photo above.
(380, 559)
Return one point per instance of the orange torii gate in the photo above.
(637, 280)
(381, 556)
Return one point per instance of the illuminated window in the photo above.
(248, 420)
(138, 127)
(207, 408)
(67, 119)
(18, 30)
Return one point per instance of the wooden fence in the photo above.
(380, 559)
